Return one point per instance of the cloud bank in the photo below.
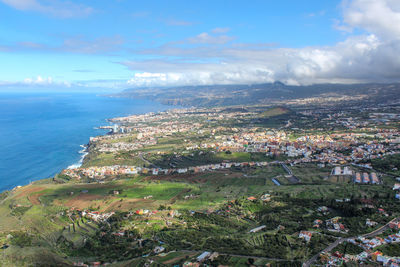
(208, 58)
(39, 81)
(369, 53)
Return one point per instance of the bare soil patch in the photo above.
(34, 198)
(27, 190)
(83, 200)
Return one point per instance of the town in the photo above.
(243, 185)
(200, 133)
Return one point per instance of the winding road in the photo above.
(341, 240)
(146, 161)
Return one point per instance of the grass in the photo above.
(310, 173)
(204, 157)
(31, 256)
(274, 112)
(7, 221)
(128, 139)
(109, 159)
(175, 257)
(159, 191)
(390, 250)
(210, 189)
(234, 156)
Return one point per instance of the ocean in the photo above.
(41, 134)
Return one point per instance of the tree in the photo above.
(21, 239)
(250, 261)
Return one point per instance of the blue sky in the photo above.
(119, 44)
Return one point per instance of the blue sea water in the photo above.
(41, 134)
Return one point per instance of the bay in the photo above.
(41, 134)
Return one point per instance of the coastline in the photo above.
(55, 133)
(84, 153)
(85, 147)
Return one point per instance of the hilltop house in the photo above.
(305, 235)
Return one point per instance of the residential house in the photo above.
(305, 235)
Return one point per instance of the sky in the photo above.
(118, 44)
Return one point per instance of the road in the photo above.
(287, 169)
(381, 229)
(146, 161)
(237, 255)
(341, 240)
(293, 179)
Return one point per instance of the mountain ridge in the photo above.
(267, 93)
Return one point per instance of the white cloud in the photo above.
(22, 4)
(212, 58)
(357, 59)
(56, 8)
(338, 25)
(205, 38)
(370, 57)
(232, 75)
(78, 44)
(39, 80)
(73, 44)
(381, 17)
(176, 22)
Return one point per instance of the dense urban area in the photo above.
(303, 182)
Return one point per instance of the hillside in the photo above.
(259, 184)
(275, 112)
(271, 93)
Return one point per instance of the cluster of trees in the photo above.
(391, 250)
(390, 163)
(348, 248)
(216, 220)
(105, 245)
(21, 239)
(276, 246)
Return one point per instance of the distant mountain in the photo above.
(269, 93)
